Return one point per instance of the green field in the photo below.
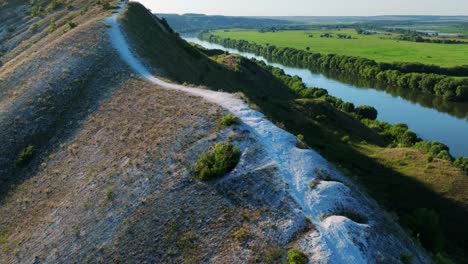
(380, 47)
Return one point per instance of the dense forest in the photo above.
(430, 79)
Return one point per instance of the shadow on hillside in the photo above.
(46, 124)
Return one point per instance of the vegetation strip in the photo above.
(419, 77)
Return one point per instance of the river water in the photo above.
(428, 123)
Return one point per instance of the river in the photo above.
(428, 123)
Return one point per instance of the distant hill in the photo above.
(188, 23)
(369, 19)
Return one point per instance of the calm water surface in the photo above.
(428, 123)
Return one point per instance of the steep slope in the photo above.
(112, 176)
(120, 190)
(50, 79)
(403, 182)
(349, 226)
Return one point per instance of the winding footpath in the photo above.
(337, 239)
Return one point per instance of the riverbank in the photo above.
(449, 128)
(423, 78)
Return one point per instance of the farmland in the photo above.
(380, 47)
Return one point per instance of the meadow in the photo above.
(380, 47)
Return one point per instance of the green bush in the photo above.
(301, 142)
(273, 254)
(441, 259)
(424, 223)
(406, 258)
(435, 149)
(34, 28)
(37, 11)
(71, 24)
(52, 26)
(11, 29)
(462, 162)
(346, 139)
(54, 4)
(462, 92)
(220, 159)
(367, 112)
(228, 120)
(25, 156)
(295, 256)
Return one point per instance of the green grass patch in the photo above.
(295, 256)
(220, 159)
(228, 120)
(25, 156)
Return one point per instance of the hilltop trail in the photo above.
(350, 227)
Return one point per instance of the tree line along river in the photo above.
(446, 122)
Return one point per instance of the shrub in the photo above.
(441, 259)
(71, 24)
(109, 193)
(220, 159)
(300, 137)
(301, 142)
(345, 139)
(54, 4)
(462, 162)
(424, 223)
(462, 92)
(400, 135)
(240, 234)
(406, 258)
(367, 112)
(347, 107)
(25, 156)
(53, 26)
(34, 28)
(37, 11)
(434, 148)
(295, 256)
(228, 120)
(273, 254)
(11, 29)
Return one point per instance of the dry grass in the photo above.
(140, 128)
(438, 175)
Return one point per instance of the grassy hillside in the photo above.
(380, 47)
(402, 182)
(40, 106)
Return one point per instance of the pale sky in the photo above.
(310, 7)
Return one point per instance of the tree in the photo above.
(426, 227)
(366, 112)
(462, 93)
